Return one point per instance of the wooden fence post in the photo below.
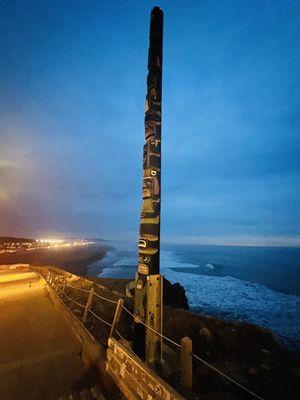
(56, 278)
(64, 287)
(186, 364)
(116, 316)
(88, 305)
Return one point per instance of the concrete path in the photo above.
(38, 352)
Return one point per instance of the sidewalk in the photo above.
(38, 352)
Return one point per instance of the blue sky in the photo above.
(73, 83)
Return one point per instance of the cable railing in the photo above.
(196, 357)
(120, 306)
(105, 299)
(74, 301)
(100, 319)
(78, 288)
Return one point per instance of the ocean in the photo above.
(260, 285)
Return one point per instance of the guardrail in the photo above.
(65, 286)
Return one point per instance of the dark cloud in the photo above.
(71, 119)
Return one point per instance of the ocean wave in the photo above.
(169, 260)
(221, 296)
(127, 260)
(234, 299)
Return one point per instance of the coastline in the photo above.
(72, 259)
(246, 352)
(233, 285)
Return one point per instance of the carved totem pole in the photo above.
(148, 281)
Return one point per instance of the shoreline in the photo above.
(243, 351)
(285, 334)
(73, 259)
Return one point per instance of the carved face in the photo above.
(147, 188)
(150, 186)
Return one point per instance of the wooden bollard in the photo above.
(186, 365)
(88, 305)
(116, 316)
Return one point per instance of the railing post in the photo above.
(64, 287)
(73, 290)
(186, 365)
(116, 316)
(88, 305)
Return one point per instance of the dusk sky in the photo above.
(72, 94)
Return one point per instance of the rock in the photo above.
(252, 371)
(96, 392)
(202, 371)
(174, 295)
(205, 333)
(91, 352)
(86, 395)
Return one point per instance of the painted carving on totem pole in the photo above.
(148, 261)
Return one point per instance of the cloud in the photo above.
(71, 120)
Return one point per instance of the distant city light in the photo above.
(50, 240)
(50, 243)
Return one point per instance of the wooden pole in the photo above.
(116, 316)
(186, 365)
(88, 305)
(154, 319)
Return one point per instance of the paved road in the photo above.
(38, 352)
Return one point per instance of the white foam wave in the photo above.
(225, 297)
(168, 260)
(235, 299)
(129, 260)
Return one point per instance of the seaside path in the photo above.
(39, 356)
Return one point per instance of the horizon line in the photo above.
(233, 241)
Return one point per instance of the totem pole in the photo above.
(148, 281)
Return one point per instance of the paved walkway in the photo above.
(38, 352)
